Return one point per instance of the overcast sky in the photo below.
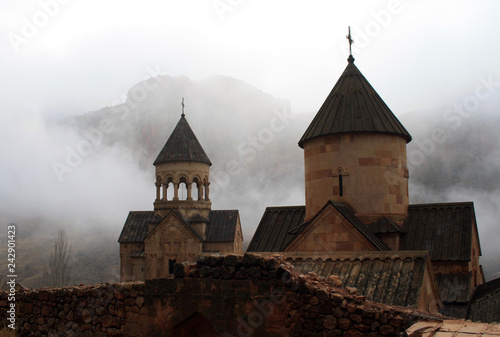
(66, 57)
(71, 56)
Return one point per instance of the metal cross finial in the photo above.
(182, 115)
(351, 41)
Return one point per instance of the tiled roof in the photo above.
(485, 304)
(384, 226)
(136, 226)
(443, 229)
(486, 289)
(454, 287)
(137, 253)
(272, 234)
(455, 290)
(222, 225)
(182, 145)
(353, 106)
(394, 278)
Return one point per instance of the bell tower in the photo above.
(355, 152)
(182, 174)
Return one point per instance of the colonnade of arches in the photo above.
(183, 189)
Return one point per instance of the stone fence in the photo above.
(226, 296)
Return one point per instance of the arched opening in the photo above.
(340, 172)
(197, 189)
(196, 325)
(183, 194)
(171, 263)
(169, 190)
(341, 186)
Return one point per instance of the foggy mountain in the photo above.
(100, 167)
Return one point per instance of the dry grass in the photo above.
(8, 332)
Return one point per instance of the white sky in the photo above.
(88, 53)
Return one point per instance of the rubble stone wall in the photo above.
(224, 296)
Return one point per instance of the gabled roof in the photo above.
(273, 233)
(222, 226)
(280, 226)
(182, 145)
(394, 278)
(353, 106)
(182, 220)
(136, 226)
(348, 214)
(445, 229)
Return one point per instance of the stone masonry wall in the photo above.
(96, 310)
(245, 295)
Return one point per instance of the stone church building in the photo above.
(357, 222)
(180, 227)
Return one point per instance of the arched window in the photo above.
(341, 187)
(169, 189)
(194, 189)
(340, 172)
(182, 189)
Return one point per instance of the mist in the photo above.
(91, 96)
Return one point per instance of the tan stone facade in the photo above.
(329, 232)
(367, 171)
(183, 224)
(194, 176)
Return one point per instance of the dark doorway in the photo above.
(171, 263)
(194, 326)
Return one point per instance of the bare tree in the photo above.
(58, 273)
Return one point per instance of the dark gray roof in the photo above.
(279, 226)
(454, 288)
(353, 106)
(455, 291)
(486, 289)
(182, 145)
(221, 226)
(136, 226)
(485, 304)
(272, 234)
(384, 226)
(395, 278)
(444, 229)
(137, 253)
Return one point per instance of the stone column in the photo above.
(207, 191)
(165, 186)
(158, 186)
(188, 188)
(176, 191)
